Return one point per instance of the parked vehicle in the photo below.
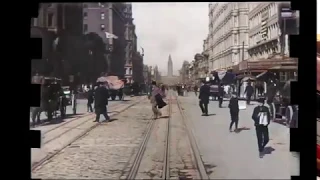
(115, 86)
(56, 99)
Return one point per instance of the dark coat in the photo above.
(233, 105)
(249, 90)
(221, 91)
(257, 110)
(90, 96)
(101, 100)
(204, 93)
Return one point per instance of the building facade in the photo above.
(184, 72)
(269, 27)
(137, 66)
(228, 34)
(132, 57)
(170, 67)
(60, 27)
(106, 20)
(146, 74)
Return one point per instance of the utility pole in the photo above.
(283, 37)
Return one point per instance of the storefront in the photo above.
(284, 69)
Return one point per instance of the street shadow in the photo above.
(223, 107)
(280, 121)
(164, 117)
(212, 114)
(242, 129)
(268, 150)
(73, 115)
(209, 168)
(58, 120)
(110, 120)
(124, 100)
(52, 122)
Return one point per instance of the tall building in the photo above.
(96, 18)
(60, 27)
(270, 23)
(107, 20)
(228, 34)
(170, 67)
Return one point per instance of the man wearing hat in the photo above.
(101, 102)
(204, 98)
(261, 117)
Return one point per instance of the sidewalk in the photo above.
(235, 155)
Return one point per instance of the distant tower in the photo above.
(170, 67)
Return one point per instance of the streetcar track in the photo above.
(166, 170)
(166, 161)
(83, 134)
(142, 148)
(196, 153)
(88, 117)
(70, 120)
(138, 158)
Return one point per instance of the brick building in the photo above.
(60, 27)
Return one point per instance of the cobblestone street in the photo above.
(102, 153)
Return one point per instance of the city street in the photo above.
(235, 155)
(83, 149)
(81, 109)
(103, 152)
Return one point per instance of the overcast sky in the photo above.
(170, 28)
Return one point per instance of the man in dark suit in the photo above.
(204, 98)
(101, 102)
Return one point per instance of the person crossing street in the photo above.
(234, 112)
(204, 96)
(101, 102)
(261, 117)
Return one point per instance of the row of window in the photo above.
(268, 11)
(85, 27)
(222, 62)
(102, 15)
(99, 4)
(271, 32)
(265, 53)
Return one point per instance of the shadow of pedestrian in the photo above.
(241, 129)
(268, 150)
(163, 117)
(53, 121)
(110, 120)
(212, 114)
(280, 121)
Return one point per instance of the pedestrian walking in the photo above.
(101, 102)
(220, 95)
(261, 118)
(234, 112)
(204, 96)
(155, 100)
(248, 91)
(90, 98)
(195, 88)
